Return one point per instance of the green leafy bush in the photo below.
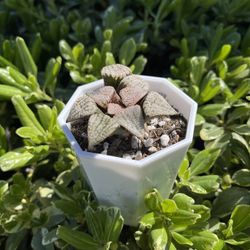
(201, 46)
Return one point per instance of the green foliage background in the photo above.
(48, 47)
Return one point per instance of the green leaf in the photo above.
(184, 218)
(21, 81)
(204, 240)
(26, 58)
(241, 152)
(3, 188)
(209, 110)
(49, 237)
(65, 50)
(6, 92)
(51, 72)
(242, 177)
(10, 77)
(45, 115)
(26, 115)
(180, 239)
(28, 132)
(221, 142)
(139, 64)
(127, 51)
(77, 239)
(69, 207)
(5, 63)
(3, 141)
(223, 53)
(106, 48)
(222, 68)
(168, 206)
(105, 224)
(241, 91)
(210, 132)
(217, 36)
(153, 200)
(197, 69)
(78, 52)
(183, 201)
(228, 199)
(209, 182)
(241, 218)
(14, 240)
(159, 237)
(199, 120)
(203, 161)
(96, 60)
(110, 59)
(210, 89)
(193, 91)
(13, 160)
(240, 129)
(36, 47)
(240, 72)
(240, 139)
(203, 211)
(148, 220)
(184, 172)
(238, 113)
(194, 187)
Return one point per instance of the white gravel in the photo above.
(148, 143)
(164, 140)
(152, 149)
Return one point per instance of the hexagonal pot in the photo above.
(124, 182)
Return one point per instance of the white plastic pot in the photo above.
(123, 182)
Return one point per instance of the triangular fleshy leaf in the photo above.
(84, 106)
(133, 81)
(132, 119)
(104, 95)
(113, 74)
(114, 108)
(132, 95)
(155, 104)
(100, 127)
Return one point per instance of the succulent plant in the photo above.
(84, 106)
(111, 110)
(113, 74)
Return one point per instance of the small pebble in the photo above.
(84, 135)
(148, 143)
(154, 121)
(162, 123)
(104, 152)
(146, 135)
(135, 142)
(174, 133)
(138, 155)
(164, 140)
(152, 149)
(167, 119)
(105, 145)
(151, 127)
(127, 156)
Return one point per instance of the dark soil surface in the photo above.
(160, 132)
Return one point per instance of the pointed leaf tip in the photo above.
(100, 127)
(84, 106)
(132, 119)
(155, 104)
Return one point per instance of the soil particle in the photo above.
(166, 131)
